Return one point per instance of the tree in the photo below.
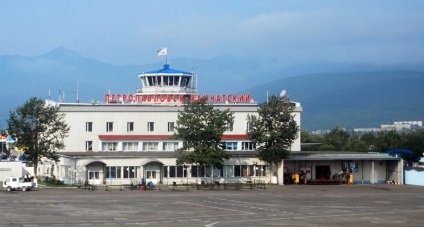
(370, 140)
(338, 137)
(388, 140)
(201, 126)
(414, 140)
(356, 144)
(274, 129)
(311, 142)
(40, 128)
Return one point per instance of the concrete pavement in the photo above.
(291, 205)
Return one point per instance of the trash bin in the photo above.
(350, 179)
(295, 178)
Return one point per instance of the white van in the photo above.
(17, 183)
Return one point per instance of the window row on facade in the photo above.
(131, 172)
(162, 146)
(151, 126)
(209, 171)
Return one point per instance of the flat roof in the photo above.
(337, 155)
(294, 156)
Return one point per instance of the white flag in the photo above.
(162, 51)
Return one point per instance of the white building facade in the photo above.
(128, 137)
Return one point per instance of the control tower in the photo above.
(167, 83)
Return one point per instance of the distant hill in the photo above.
(351, 100)
(380, 95)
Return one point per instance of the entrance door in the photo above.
(94, 177)
(151, 176)
(323, 172)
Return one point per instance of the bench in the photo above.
(89, 187)
(132, 186)
(235, 186)
(322, 181)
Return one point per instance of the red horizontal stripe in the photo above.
(134, 137)
(160, 137)
(234, 136)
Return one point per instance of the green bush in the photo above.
(52, 181)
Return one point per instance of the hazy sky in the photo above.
(301, 31)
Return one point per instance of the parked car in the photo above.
(4, 157)
(17, 183)
(22, 158)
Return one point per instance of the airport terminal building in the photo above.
(129, 136)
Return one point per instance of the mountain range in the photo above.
(331, 94)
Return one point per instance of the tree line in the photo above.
(339, 139)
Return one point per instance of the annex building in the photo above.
(129, 136)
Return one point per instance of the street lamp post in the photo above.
(187, 175)
(75, 171)
(260, 172)
(133, 176)
(255, 167)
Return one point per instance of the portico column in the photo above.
(282, 170)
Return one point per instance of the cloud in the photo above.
(293, 32)
(325, 30)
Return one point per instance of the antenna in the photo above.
(194, 80)
(283, 93)
(77, 91)
(267, 97)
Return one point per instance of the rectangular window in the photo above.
(151, 174)
(109, 126)
(109, 146)
(118, 172)
(244, 171)
(231, 146)
(354, 167)
(111, 172)
(150, 146)
(251, 171)
(351, 167)
(165, 171)
(180, 170)
(172, 171)
(150, 126)
(171, 126)
(108, 171)
(130, 146)
(88, 126)
(130, 172)
(264, 171)
(230, 126)
(88, 145)
(170, 146)
(130, 126)
(208, 171)
(93, 175)
(202, 171)
(248, 127)
(248, 146)
(194, 171)
(216, 172)
(229, 171)
(237, 171)
(261, 171)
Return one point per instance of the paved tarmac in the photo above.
(290, 205)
